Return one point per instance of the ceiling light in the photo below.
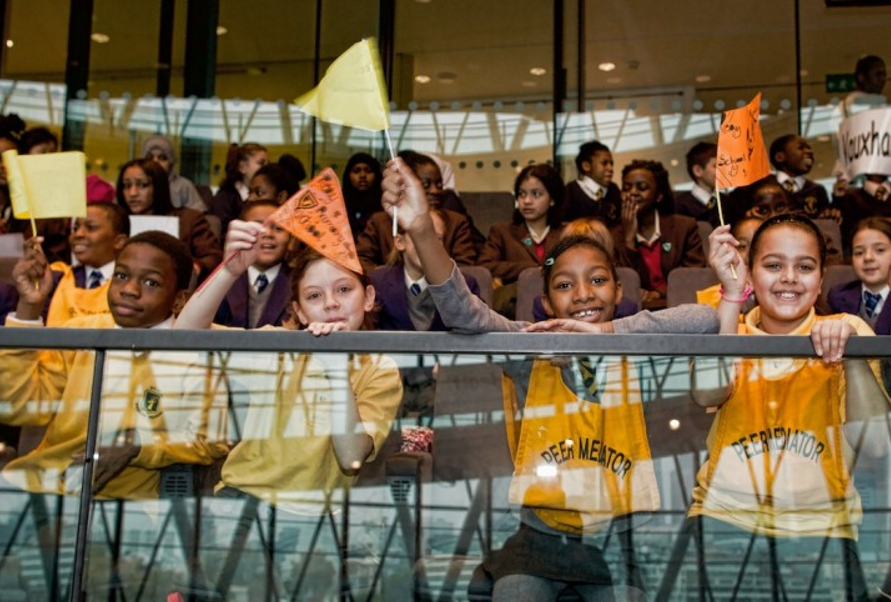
(703, 78)
(606, 66)
(528, 83)
(804, 73)
(446, 77)
(614, 80)
(538, 71)
(100, 38)
(221, 30)
(422, 79)
(10, 43)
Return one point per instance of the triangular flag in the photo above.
(742, 158)
(352, 92)
(317, 216)
(44, 186)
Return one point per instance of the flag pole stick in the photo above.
(721, 218)
(392, 157)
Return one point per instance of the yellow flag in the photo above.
(43, 186)
(352, 92)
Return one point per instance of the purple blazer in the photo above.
(233, 310)
(847, 298)
(392, 298)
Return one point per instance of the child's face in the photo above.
(93, 239)
(786, 277)
(362, 176)
(797, 157)
(273, 244)
(743, 235)
(431, 180)
(705, 174)
(328, 292)
(410, 253)
(249, 166)
(261, 189)
(599, 167)
(581, 287)
(137, 190)
(639, 186)
(143, 290)
(533, 200)
(44, 148)
(768, 201)
(872, 258)
(159, 157)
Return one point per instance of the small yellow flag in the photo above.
(353, 92)
(44, 186)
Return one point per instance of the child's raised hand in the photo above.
(830, 337)
(401, 189)
(32, 276)
(629, 220)
(726, 262)
(242, 239)
(569, 325)
(324, 328)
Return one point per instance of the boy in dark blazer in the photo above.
(792, 157)
(700, 202)
(262, 295)
(594, 194)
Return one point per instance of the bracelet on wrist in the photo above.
(747, 292)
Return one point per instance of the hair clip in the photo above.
(549, 261)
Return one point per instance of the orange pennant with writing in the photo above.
(317, 216)
(742, 158)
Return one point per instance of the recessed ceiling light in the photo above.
(614, 80)
(528, 83)
(10, 43)
(100, 38)
(446, 77)
(804, 72)
(538, 71)
(221, 30)
(606, 66)
(422, 79)
(703, 78)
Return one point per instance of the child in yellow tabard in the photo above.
(788, 431)
(157, 408)
(575, 427)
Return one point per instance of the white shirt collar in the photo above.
(271, 273)
(590, 187)
(106, 270)
(657, 232)
(701, 194)
(782, 177)
(243, 190)
(421, 283)
(882, 293)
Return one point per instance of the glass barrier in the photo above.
(239, 475)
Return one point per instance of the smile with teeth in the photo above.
(787, 295)
(586, 313)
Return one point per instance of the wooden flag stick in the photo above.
(721, 217)
(393, 157)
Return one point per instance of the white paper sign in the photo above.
(164, 223)
(864, 143)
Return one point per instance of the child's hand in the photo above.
(830, 337)
(325, 328)
(568, 325)
(403, 190)
(629, 220)
(724, 259)
(242, 237)
(32, 276)
(833, 213)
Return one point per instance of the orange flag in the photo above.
(742, 158)
(317, 216)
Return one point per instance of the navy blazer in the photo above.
(392, 298)
(233, 310)
(847, 298)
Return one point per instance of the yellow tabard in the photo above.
(578, 464)
(69, 301)
(777, 453)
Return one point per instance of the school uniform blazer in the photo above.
(810, 200)
(9, 296)
(194, 230)
(577, 204)
(681, 247)
(847, 297)
(687, 204)
(509, 250)
(233, 310)
(375, 243)
(392, 296)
